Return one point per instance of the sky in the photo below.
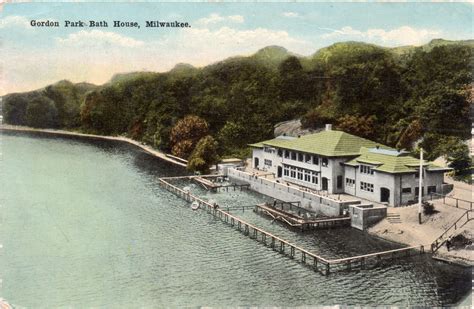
(33, 57)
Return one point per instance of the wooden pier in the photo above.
(316, 262)
(304, 224)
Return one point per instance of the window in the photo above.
(365, 169)
(287, 154)
(293, 155)
(339, 182)
(267, 162)
(365, 186)
(431, 189)
(350, 182)
(307, 176)
(301, 174)
(268, 149)
(308, 158)
(417, 191)
(280, 152)
(417, 174)
(324, 162)
(406, 190)
(300, 157)
(315, 160)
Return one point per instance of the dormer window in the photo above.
(365, 169)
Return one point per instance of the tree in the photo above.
(318, 117)
(186, 134)
(14, 109)
(41, 113)
(292, 85)
(363, 126)
(204, 155)
(410, 135)
(457, 155)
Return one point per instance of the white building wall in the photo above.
(350, 172)
(337, 170)
(257, 153)
(410, 181)
(395, 183)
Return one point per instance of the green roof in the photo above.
(327, 143)
(391, 162)
(334, 143)
(256, 145)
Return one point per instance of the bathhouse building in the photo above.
(338, 162)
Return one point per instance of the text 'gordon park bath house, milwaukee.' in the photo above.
(338, 162)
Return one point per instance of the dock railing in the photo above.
(466, 217)
(283, 246)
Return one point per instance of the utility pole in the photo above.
(420, 187)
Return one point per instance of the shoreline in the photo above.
(390, 237)
(147, 149)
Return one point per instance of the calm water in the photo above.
(85, 224)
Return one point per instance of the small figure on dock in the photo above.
(215, 206)
(448, 244)
(274, 203)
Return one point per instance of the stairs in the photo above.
(393, 218)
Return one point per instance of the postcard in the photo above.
(235, 154)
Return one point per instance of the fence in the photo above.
(466, 217)
(453, 201)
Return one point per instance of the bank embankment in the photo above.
(144, 147)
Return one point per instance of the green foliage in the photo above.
(204, 155)
(457, 154)
(65, 96)
(318, 117)
(186, 134)
(41, 113)
(363, 126)
(410, 135)
(393, 96)
(14, 108)
(429, 209)
(452, 148)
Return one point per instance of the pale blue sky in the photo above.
(34, 57)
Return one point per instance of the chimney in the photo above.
(328, 127)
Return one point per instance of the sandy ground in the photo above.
(401, 225)
(146, 148)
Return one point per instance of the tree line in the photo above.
(414, 97)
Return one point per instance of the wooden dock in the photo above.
(316, 262)
(295, 221)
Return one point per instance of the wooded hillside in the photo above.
(394, 96)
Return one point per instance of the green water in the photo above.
(84, 223)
